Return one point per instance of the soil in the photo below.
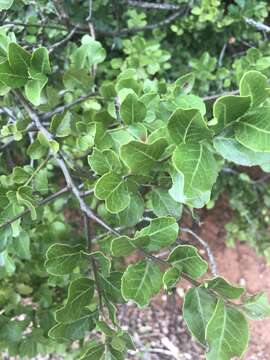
(159, 330)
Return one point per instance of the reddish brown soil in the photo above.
(240, 265)
(243, 266)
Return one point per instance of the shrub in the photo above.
(100, 153)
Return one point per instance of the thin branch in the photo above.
(64, 40)
(211, 257)
(117, 109)
(43, 202)
(66, 107)
(90, 6)
(149, 5)
(8, 112)
(216, 96)
(157, 25)
(124, 31)
(89, 237)
(258, 25)
(61, 163)
(222, 53)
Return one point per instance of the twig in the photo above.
(89, 237)
(149, 5)
(157, 25)
(8, 112)
(45, 201)
(42, 164)
(66, 107)
(222, 53)
(215, 96)
(90, 6)
(258, 25)
(171, 347)
(61, 163)
(64, 40)
(124, 31)
(117, 109)
(211, 257)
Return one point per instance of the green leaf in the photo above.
(111, 287)
(139, 157)
(162, 232)
(233, 151)
(187, 259)
(9, 77)
(254, 84)
(133, 213)
(88, 54)
(103, 263)
(124, 245)
(163, 204)
(229, 108)
(36, 150)
(21, 246)
(100, 352)
(62, 259)
(77, 79)
(199, 306)
(188, 102)
(141, 281)
(40, 63)
(80, 293)
(61, 124)
(104, 161)
(74, 330)
(224, 288)
(5, 4)
(226, 333)
(188, 126)
(33, 90)
(198, 171)
(184, 84)
(94, 353)
(253, 130)
(256, 307)
(19, 175)
(19, 59)
(25, 197)
(132, 109)
(170, 278)
(113, 189)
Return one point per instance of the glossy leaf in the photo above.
(227, 109)
(123, 245)
(80, 293)
(198, 171)
(162, 232)
(113, 189)
(141, 281)
(132, 109)
(170, 278)
(140, 158)
(199, 306)
(188, 126)
(187, 259)
(254, 84)
(256, 307)
(224, 288)
(163, 204)
(19, 59)
(226, 333)
(253, 130)
(62, 259)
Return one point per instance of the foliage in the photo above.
(103, 142)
